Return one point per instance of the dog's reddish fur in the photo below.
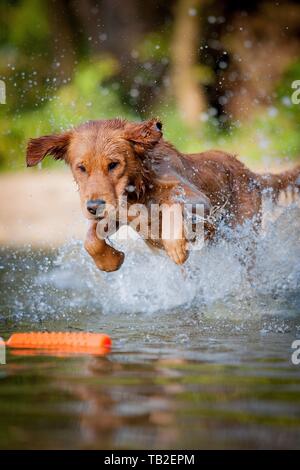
(158, 172)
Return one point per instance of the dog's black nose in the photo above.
(94, 205)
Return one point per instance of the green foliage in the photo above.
(155, 46)
(92, 94)
(285, 90)
(268, 138)
(41, 100)
(273, 133)
(29, 35)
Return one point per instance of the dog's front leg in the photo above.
(105, 256)
(173, 239)
(176, 250)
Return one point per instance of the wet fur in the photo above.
(158, 172)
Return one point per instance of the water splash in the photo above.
(214, 280)
(150, 282)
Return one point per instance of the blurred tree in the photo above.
(184, 54)
(262, 44)
(66, 36)
(208, 64)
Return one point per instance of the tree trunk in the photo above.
(188, 92)
(65, 49)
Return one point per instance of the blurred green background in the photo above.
(217, 73)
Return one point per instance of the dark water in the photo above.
(200, 359)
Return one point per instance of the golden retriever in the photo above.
(111, 158)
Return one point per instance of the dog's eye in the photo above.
(112, 165)
(82, 168)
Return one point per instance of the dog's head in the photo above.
(106, 158)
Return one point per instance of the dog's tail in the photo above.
(288, 180)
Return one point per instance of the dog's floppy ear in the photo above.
(55, 145)
(144, 135)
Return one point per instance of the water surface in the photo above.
(201, 356)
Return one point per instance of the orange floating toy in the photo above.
(93, 343)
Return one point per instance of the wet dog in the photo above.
(113, 158)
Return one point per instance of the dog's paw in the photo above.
(110, 261)
(176, 250)
(105, 256)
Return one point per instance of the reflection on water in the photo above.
(201, 357)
